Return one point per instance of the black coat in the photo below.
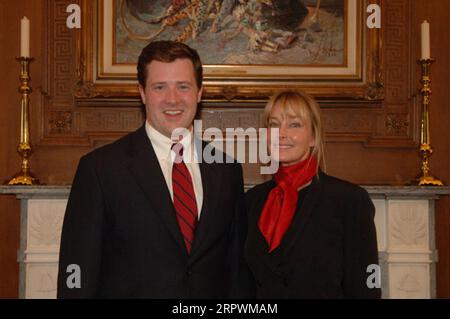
(325, 251)
(120, 227)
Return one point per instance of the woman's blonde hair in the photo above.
(299, 103)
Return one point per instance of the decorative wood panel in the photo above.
(387, 117)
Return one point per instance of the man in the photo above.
(141, 221)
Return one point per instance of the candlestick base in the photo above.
(429, 181)
(23, 179)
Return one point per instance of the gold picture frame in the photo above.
(359, 77)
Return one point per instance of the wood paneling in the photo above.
(70, 60)
(8, 240)
(10, 14)
(9, 244)
(436, 12)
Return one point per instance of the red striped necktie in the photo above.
(184, 200)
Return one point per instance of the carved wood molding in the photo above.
(78, 112)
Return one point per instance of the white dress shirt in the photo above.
(163, 145)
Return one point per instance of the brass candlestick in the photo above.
(425, 149)
(24, 177)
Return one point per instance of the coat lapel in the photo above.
(145, 168)
(260, 242)
(211, 177)
(304, 213)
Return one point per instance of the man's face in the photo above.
(170, 95)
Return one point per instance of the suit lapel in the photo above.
(145, 168)
(260, 241)
(211, 183)
(303, 215)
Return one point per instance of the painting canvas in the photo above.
(236, 32)
(249, 48)
(237, 38)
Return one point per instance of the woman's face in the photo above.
(295, 136)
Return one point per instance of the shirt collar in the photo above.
(162, 144)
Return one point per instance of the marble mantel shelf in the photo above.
(52, 191)
(404, 220)
(376, 191)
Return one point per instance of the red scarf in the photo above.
(280, 206)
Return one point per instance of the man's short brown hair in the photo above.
(168, 51)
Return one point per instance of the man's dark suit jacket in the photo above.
(325, 251)
(120, 227)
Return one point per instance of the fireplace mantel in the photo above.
(404, 220)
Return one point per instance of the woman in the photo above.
(310, 235)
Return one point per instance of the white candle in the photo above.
(425, 28)
(25, 37)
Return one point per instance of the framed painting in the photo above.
(249, 48)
